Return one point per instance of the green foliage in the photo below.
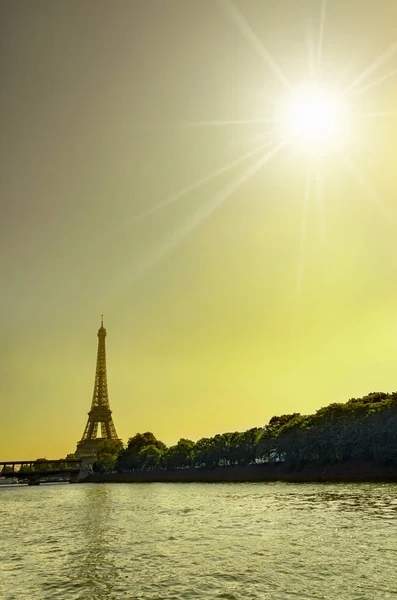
(109, 447)
(276, 423)
(360, 429)
(107, 453)
(132, 457)
(26, 469)
(150, 457)
(179, 456)
(141, 440)
(44, 465)
(6, 469)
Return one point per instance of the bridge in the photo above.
(33, 471)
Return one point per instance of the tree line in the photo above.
(361, 429)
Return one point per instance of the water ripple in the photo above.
(198, 541)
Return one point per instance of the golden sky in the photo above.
(225, 305)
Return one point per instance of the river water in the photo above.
(160, 541)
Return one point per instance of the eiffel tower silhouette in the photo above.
(100, 414)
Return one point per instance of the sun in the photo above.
(312, 115)
(318, 118)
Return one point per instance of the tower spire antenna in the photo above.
(101, 320)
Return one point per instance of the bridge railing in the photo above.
(18, 467)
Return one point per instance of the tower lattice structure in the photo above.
(100, 415)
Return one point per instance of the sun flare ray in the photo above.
(378, 62)
(352, 169)
(225, 122)
(320, 45)
(385, 113)
(320, 203)
(198, 184)
(199, 216)
(377, 82)
(311, 51)
(250, 35)
(302, 240)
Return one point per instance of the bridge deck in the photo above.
(39, 468)
(58, 461)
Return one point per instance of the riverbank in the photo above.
(353, 471)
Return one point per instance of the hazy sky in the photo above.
(216, 320)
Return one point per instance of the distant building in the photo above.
(100, 415)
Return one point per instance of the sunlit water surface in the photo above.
(180, 541)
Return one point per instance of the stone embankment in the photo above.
(354, 472)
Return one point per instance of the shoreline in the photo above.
(349, 472)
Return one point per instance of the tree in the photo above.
(26, 469)
(180, 455)
(202, 452)
(150, 457)
(130, 458)
(141, 440)
(107, 453)
(248, 444)
(265, 444)
(42, 464)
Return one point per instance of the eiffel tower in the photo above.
(100, 413)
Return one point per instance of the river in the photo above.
(267, 541)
